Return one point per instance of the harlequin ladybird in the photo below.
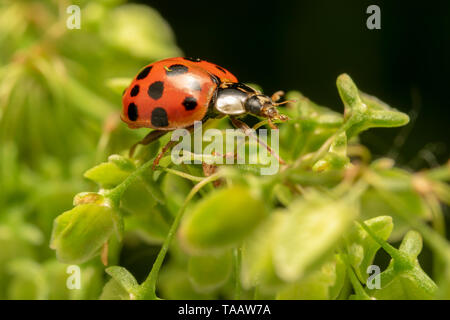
(175, 92)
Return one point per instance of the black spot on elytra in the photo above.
(221, 69)
(144, 73)
(192, 59)
(134, 92)
(176, 69)
(215, 79)
(189, 103)
(132, 112)
(155, 90)
(159, 118)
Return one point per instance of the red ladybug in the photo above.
(173, 93)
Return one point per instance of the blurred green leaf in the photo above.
(141, 26)
(213, 226)
(309, 233)
(209, 272)
(257, 254)
(322, 284)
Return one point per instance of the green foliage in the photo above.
(310, 231)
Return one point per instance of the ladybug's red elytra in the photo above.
(175, 92)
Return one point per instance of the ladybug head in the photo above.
(263, 106)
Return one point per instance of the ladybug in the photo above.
(174, 93)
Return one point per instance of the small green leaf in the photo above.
(79, 234)
(336, 157)
(362, 248)
(406, 279)
(125, 279)
(309, 233)
(221, 220)
(209, 272)
(110, 174)
(363, 111)
(114, 291)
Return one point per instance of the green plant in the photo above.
(306, 232)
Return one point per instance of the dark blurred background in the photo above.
(305, 45)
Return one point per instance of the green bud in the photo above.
(79, 234)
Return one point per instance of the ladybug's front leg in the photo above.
(149, 138)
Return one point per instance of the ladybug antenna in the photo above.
(284, 102)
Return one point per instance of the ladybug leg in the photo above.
(277, 95)
(168, 145)
(249, 132)
(149, 138)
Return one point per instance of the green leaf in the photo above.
(27, 280)
(322, 284)
(363, 111)
(110, 174)
(336, 157)
(113, 290)
(175, 285)
(394, 193)
(311, 114)
(209, 272)
(309, 125)
(406, 280)
(125, 279)
(221, 220)
(362, 248)
(141, 25)
(257, 267)
(79, 234)
(309, 233)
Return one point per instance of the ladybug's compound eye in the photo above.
(253, 105)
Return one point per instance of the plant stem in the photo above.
(359, 290)
(147, 289)
(182, 174)
(116, 194)
(393, 252)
